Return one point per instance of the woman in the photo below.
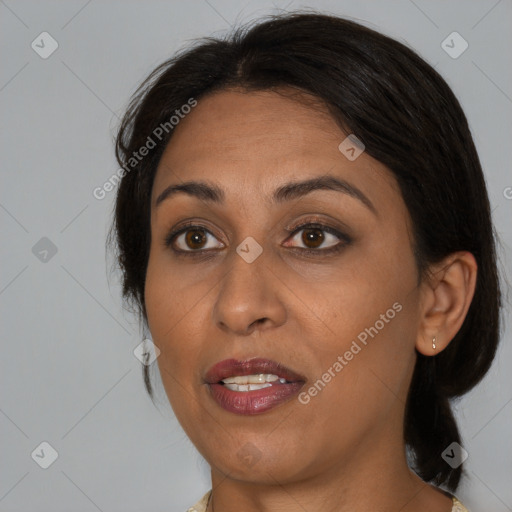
(304, 227)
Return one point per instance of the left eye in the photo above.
(316, 236)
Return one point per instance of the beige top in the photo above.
(201, 505)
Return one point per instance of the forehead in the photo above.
(248, 141)
(229, 123)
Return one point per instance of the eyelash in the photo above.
(344, 239)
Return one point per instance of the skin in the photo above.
(344, 450)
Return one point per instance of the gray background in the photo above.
(69, 376)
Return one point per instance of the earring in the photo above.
(434, 343)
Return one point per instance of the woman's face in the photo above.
(339, 306)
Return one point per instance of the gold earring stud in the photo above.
(434, 343)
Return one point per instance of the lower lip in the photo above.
(254, 402)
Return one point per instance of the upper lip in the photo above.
(232, 367)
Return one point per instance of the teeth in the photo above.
(247, 387)
(252, 382)
(253, 379)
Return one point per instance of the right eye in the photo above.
(191, 238)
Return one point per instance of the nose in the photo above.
(249, 297)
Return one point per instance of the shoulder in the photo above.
(201, 505)
(458, 506)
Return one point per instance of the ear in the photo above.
(445, 299)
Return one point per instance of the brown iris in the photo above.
(195, 238)
(312, 237)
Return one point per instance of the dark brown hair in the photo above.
(408, 119)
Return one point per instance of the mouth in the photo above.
(253, 386)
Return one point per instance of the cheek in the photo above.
(359, 387)
(369, 313)
(172, 330)
(364, 297)
(166, 307)
(170, 297)
(177, 306)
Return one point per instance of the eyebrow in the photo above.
(293, 190)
